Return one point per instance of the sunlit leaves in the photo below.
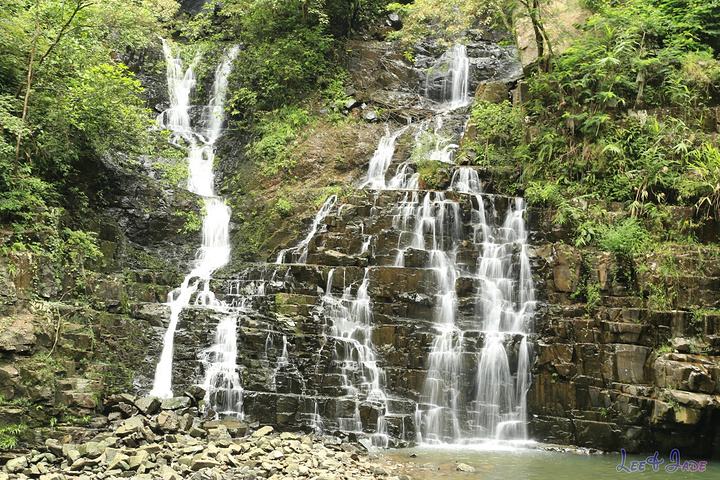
(445, 19)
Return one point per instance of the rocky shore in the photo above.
(152, 439)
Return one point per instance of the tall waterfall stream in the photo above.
(222, 382)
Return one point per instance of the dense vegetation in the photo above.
(624, 116)
(65, 99)
(621, 116)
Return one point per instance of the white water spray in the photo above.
(214, 251)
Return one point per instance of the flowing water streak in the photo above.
(452, 69)
(505, 305)
(301, 249)
(504, 308)
(382, 158)
(214, 251)
(350, 326)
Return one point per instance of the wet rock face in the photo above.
(145, 218)
(609, 374)
(488, 62)
(383, 76)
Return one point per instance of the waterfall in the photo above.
(440, 281)
(349, 324)
(506, 302)
(447, 80)
(382, 158)
(504, 309)
(214, 251)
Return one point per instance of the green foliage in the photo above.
(434, 175)
(284, 207)
(81, 103)
(499, 133)
(445, 20)
(543, 194)
(660, 299)
(174, 173)
(275, 131)
(703, 182)
(193, 222)
(79, 246)
(430, 146)
(625, 238)
(10, 435)
(103, 102)
(645, 57)
(592, 297)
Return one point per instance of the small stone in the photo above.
(152, 448)
(93, 449)
(72, 454)
(54, 447)
(464, 467)
(168, 421)
(196, 432)
(114, 416)
(138, 459)
(175, 403)
(119, 461)
(195, 392)
(263, 431)
(288, 436)
(51, 476)
(369, 115)
(169, 474)
(130, 426)
(204, 462)
(126, 409)
(17, 464)
(78, 464)
(219, 434)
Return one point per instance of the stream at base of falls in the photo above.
(492, 461)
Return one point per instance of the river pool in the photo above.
(542, 462)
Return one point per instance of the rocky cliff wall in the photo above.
(627, 349)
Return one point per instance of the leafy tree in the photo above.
(65, 96)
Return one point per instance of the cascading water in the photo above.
(381, 159)
(221, 382)
(506, 303)
(466, 325)
(504, 309)
(350, 326)
(504, 300)
(451, 72)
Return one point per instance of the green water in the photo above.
(535, 462)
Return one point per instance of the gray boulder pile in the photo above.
(153, 439)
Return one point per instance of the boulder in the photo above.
(493, 92)
(148, 405)
(17, 335)
(168, 421)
